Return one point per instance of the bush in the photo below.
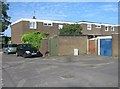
(71, 29)
(33, 38)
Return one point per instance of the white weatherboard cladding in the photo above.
(60, 26)
(112, 28)
(89, 26)
(32, 24)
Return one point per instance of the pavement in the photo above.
(59, 71)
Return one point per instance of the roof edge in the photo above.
(68, 22)
(37, 20)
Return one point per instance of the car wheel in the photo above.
(24, 55)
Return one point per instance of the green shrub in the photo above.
(33, 38)
(71, 29)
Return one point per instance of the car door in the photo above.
(19, 50)
(22, 50)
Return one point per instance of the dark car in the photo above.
(27, 50)
(9, 48)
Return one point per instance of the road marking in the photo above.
(21, 83)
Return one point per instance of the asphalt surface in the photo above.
(66, 71)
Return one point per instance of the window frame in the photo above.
(89, 27)
(47, 24)
(44, 24)
(107, 28)
(112, 28)
(60, 26)
(32, 24)
(97, 26)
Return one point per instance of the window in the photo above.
(12, 45)
(32, 25)
(47, 24)
(112, 28)
(89, 27)
(106, 28)
(60, 26)
(98, 26)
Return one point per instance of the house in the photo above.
(94, 28)
(21, 26)
(64, 45)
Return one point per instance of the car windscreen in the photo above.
(5, 46)
(13, 45)
(28, 46)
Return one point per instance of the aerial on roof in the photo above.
(57, 21)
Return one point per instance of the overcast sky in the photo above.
(104, 12)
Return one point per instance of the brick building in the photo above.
(19, 27)
(64, 45)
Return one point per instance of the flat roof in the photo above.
(96, 23)
(49, 21)
(62, 22)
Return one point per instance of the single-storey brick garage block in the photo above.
(67, 44)
(64, 45)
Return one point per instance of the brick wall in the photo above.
(16, 33)
(95, 31)
(67, 44)
(44, 47)
(115, 45)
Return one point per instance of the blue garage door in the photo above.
(106, 47)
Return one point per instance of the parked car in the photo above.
(27, 50)
(9, 48)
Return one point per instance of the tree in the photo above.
(4, 18)
(71, 29)
(33, 38)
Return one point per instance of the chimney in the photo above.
(34, 17)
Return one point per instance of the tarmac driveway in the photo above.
(65, 71)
